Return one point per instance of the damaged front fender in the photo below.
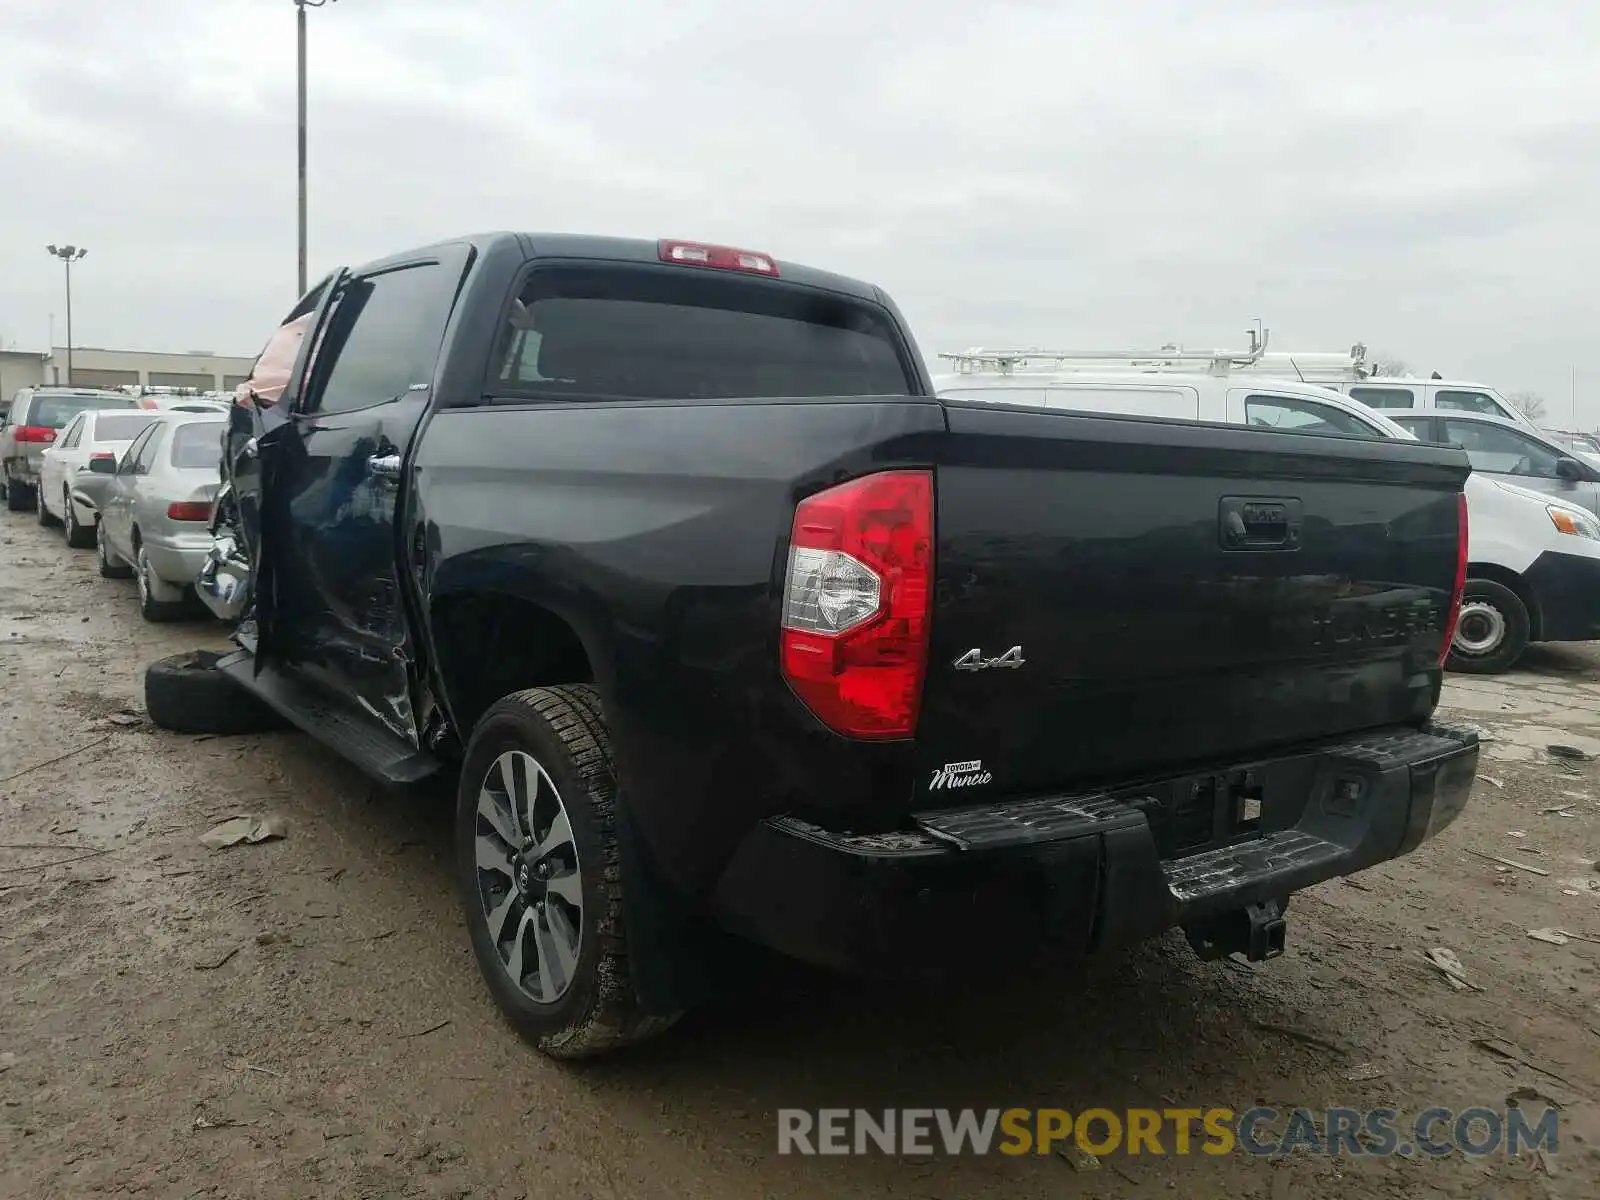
(229, 582)
(225, 582)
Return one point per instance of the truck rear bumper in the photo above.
(1093, 871)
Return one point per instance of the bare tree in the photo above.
(1391, 367)
(1531, 403)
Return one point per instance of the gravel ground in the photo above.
(303, 1017)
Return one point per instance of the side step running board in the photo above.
(376, 751)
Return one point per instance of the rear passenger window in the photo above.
(1473, 402)
(1421, 427)
(1384, 397)
(1295, 414)
(1501, 451)
(129, 456)
(147, 453)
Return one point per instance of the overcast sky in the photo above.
(1422, 175)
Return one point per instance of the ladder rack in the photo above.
(1310, 367)
(1163, 358)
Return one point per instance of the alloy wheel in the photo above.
(529, 878)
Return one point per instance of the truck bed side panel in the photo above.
(657, 531)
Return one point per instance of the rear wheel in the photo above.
(110, 566)
(41, 511)
(539, 873)
(156, 596)
(19, 496)
(79, 536)
(1492, 630)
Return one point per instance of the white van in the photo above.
(1533, 570)
(1347, 373)
(1424, 394)
(1533, 575)
(1350, 374)
(1274, 403)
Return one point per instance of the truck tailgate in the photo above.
(1118, 598)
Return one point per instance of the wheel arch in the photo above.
(1518, 585)
(488, 643)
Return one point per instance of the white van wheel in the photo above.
(1492, 631)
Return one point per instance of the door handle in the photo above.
(385, 466)
(1260, 523)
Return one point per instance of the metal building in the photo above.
(96, 367)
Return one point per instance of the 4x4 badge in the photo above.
(973, 660)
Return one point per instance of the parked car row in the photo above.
(134, 483)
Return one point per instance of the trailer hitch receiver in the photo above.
(1257, 931)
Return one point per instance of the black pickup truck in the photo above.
(732, 632)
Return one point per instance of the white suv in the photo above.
(36, 416)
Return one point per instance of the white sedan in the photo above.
(70, 493)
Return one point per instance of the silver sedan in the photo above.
(156, 517)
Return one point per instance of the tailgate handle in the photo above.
(1259, 523)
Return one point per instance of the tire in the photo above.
(150, 608)
(41, 512)
(110, 568)
(19, 497)
(79, 537)
(557, 738)
(1492, 631)
(187, 694)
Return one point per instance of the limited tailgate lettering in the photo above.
(1374, 626)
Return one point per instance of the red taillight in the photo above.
(35, 433)
(857, 600)
(725, 258)
(189, 510)
(1454, 610)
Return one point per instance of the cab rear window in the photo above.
(197, 444)
(670, 334)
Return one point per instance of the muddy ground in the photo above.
(303, 1017)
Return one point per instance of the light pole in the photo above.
(68, 255)
(300, 7)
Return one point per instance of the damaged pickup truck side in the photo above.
(732, 632)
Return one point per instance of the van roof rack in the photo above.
(1163, 358)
